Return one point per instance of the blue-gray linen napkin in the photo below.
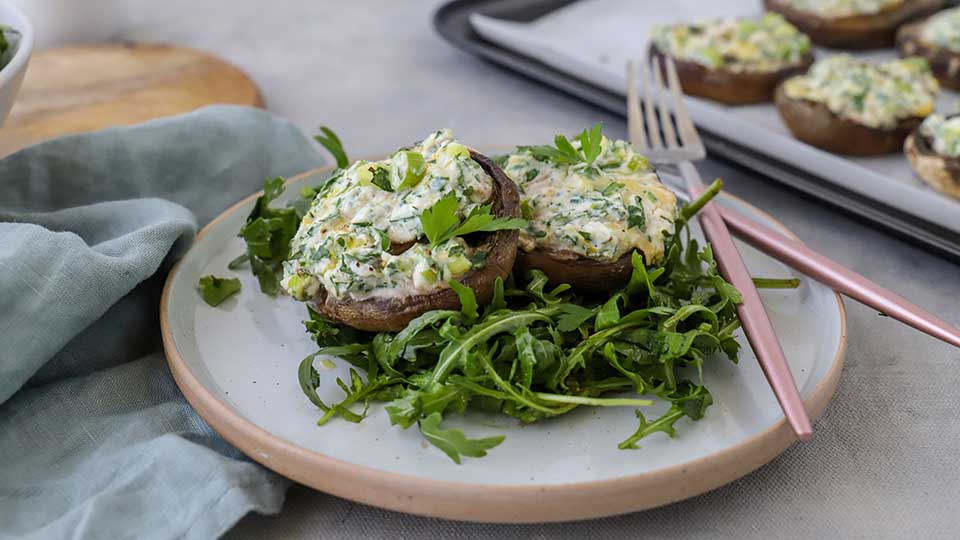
(96, 440)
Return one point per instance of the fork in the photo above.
(682, 146)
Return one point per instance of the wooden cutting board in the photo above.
(84, 88)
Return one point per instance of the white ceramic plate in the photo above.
(237, 365)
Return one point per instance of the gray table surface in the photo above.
(882, 463)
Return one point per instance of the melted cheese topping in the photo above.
(600, 211)
(843, 8)
(876, 95)
(768, 44)
(943, 30)
(344, 240)
(943, 133)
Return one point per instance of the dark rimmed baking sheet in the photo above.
(452, 22)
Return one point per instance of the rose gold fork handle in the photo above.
(753, 317)
(840, 278)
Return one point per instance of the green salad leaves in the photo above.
(214, 290)
(535, 352)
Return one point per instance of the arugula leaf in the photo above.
(453, 442)
(268, 232)
(775, 283)
(332, 143)
(215, 290)
(573, 317)
(440, 222)
(609, 313)
(238, 262)
(468, 300)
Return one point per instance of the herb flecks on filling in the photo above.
(601, 206)
(739, 45)
(943, 30)
(344, 241)
(874, 94)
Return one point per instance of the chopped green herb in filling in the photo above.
(943, 133)
(767, 44)
(843, 8)
(943, 30)
(344, 241)
(591, 196)
(874, 94)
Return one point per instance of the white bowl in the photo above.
(11, 75)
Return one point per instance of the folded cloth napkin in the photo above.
(96, 440)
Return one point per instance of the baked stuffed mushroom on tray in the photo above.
(937, 39)
(852, 24)
(934, 151)
(858, 107)
(733, 61)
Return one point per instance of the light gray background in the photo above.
(882, 463)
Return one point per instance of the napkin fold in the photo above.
(96, 440)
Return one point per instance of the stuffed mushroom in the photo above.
(734, 61)
(377, 247)
(852, 24)
(938, 40)
(856, 107)
(587, 211)
(934, 151)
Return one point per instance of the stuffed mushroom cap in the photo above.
(937, 39)
(857, 107)
(585, 218)
(368, 254)
(733, 61)
(934, 151)
(852, 24)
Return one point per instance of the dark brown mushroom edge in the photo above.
(731, 87)
(816, 125)
(393, 314)
(941, 172)
(944, 63)
(871, 31)
(583, 274)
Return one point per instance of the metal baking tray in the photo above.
(452, 22)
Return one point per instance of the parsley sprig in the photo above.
(441, 223)
(564, 152)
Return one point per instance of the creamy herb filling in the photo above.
(943, 134)
(876, 95)
(843, 8)
(601, 210)
(943, 30)
(344, 241)
(767, 44)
